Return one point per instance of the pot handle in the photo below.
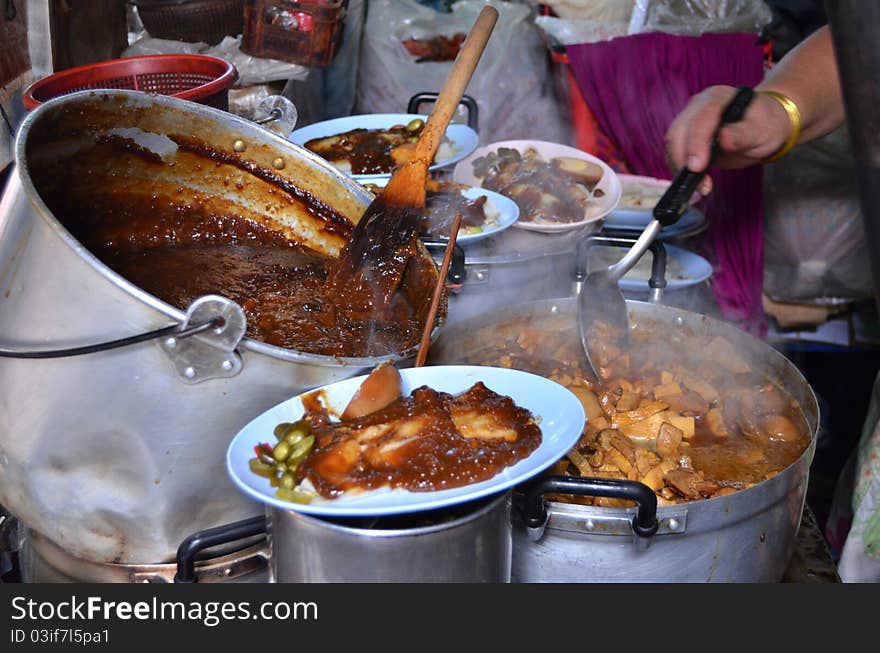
(644, 524)
(657, 282)
(174, 330)
(466, 100)
(457, 273)
(198, 542)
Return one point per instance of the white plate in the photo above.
(683, 268)
(559, 413)
(503, 209)
(693, 221)
(609, 184)
(638, 197)
(462, 138)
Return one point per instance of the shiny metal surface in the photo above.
(600, 299)
(748, 536)
(44, 562)
(112, 456)
(475, 546)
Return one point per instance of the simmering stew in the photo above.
(688, 418)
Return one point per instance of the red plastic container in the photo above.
(306, 33)
(194, 77)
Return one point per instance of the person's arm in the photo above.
(807, 74)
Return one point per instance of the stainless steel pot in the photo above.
(116, 456)
(41, 561)
(466, 543)
(748, 536)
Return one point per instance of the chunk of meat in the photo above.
(624, 445)
(427, 441)
(779, 427)
(669, 440)
(690, 484)
(715, 423)
(687, 403)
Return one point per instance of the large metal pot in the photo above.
(748, 536)
(116, 456)
(466, 543)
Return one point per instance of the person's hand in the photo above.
(762, 131)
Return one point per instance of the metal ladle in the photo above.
(601, 305)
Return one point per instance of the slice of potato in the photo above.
(584, 172)
(378, 390)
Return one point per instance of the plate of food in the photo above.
(369, 146)
(683, 268)
(484, 213)
(556, 187)
(402, 441)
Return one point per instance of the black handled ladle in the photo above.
(601, 305)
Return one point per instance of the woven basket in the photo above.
(194, 21)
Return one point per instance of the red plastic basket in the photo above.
(194, 77)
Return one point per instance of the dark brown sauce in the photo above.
(179, 248)
(368, 151)
(438, 457)
(441, 207)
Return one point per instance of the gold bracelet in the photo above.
(794, 117)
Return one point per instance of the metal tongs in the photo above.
(601, 306)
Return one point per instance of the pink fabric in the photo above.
(635, 86)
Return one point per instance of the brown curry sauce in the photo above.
(178, 249)
(422, 448)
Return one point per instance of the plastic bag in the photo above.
(601, 11)
(814, 241)
(571, 31)
(512, 84)
(251, 70)
(695, 17)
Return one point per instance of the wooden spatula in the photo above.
(370, 266)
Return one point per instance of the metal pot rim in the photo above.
(392, 533)
(252, 129)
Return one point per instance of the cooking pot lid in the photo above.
(558, 411)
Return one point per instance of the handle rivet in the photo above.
(239, 146)
(278, 163)
(590, 525)
(171, 343)
(673, 524)
(189, 372)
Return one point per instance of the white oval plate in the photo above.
(503, 209)
(558, 411)
(683, 268)
(630, 210)
(609, 184)
(462, 138)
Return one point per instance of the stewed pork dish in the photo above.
(427, 441)
(686, 416)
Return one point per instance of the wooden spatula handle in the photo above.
(456, 83)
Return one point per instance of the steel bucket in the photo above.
(116, 456)
(747, 536)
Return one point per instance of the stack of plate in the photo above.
(630, 217)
